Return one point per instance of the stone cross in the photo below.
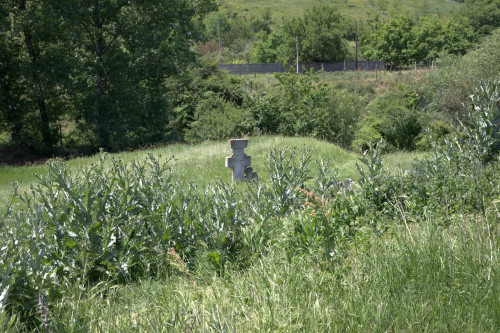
(239, 161)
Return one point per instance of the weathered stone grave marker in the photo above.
(239, 161)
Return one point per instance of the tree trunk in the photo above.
(42, 106)
(15, 130)
(102, 121)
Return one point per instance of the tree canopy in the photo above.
(400, 41)
(101, 64)
(320, 33)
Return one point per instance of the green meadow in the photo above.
(204, 163)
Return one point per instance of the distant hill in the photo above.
(356, 9)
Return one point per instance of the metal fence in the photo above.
(241, 69)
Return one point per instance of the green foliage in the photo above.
(204, 91)
(320, 36)
(374, 179)
(266, 113)
(483, 121)
(393, 117)
(341, 116)
(32, 72)
(266, 47)
(432, 36)
(402, 128)
(215, 119)
(483, 14)
(117, 223)
(303, 101)
(443, 278)
(305, 107)
(398, 41)
(449, 87)
(390, 42)
(437, 131)
(236, 34)
(101, 65)
(111, 224)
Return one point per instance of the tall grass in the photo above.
(442, 279)
(366, 83)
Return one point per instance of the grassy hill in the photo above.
(204, 163)
(355, 9)
(134, 250)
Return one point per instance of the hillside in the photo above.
(355, 9)
(204, 163)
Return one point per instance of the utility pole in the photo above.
(297, 47)
(356, 40)
(218, 32)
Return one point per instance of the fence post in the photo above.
(218, 33)
(344, 65)
(297, 47)
(356, 41)
(323, 71)
(376, 72)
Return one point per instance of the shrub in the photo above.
(393, 117)
(266, 113)
(216, 118)
(401, 129)
(448, 88)
(340, 118)
(305, 107)
(303, 101)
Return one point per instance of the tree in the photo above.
(428, 39)
(9, 71)
(320, 36)
(124, 51)
(31, 64)
(390, 42)
(265, 48)
(433, 35)
(484, 15)
(459, 35)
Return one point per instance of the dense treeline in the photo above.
(97, 66)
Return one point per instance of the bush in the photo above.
(436, 131)
(266, 113)
(393, 117)
(305, 107)
(340, 118)
(401, 128)
(216, 119)
(449, 87)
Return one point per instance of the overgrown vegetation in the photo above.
(127, 244)
(402, 244)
